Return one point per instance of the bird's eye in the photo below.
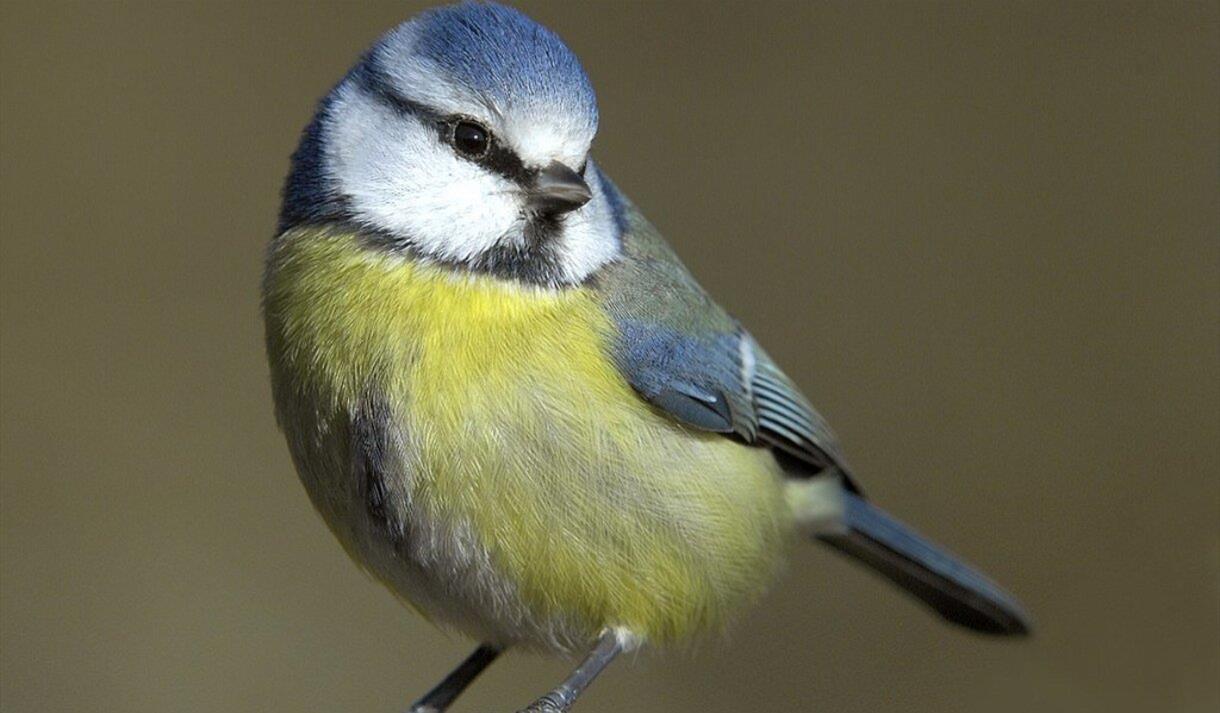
(471, 139)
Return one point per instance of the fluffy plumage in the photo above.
(535, 427)
(534, 497)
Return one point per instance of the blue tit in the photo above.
(507, 397)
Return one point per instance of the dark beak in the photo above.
(558, 189)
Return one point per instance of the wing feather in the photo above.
(691, 360)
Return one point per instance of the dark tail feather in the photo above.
(947, 585)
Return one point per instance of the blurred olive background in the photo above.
(984, 238)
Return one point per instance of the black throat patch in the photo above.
(533, 259)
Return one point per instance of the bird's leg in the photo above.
(440, 697)
(559, 700)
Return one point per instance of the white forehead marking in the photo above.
(538, 141)
(420, 80)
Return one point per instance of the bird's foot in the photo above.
(550, 703)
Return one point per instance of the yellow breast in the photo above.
(600, 510)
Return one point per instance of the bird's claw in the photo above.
(549, 703)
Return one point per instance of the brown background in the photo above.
(982, 236)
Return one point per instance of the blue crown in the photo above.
(505, 56)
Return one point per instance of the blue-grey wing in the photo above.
(727, 384)
(687, 357)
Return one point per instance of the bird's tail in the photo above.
(954, 590)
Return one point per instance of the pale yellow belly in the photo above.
(598, 509)
(517, 433)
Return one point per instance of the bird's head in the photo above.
(462, 137)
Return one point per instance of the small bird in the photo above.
(507, 397)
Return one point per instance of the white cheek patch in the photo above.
(590, 235)
(400, 178)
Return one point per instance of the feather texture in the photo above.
(541, 499)
(685, 355)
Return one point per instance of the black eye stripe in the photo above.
(498, 158)
(505, 162)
